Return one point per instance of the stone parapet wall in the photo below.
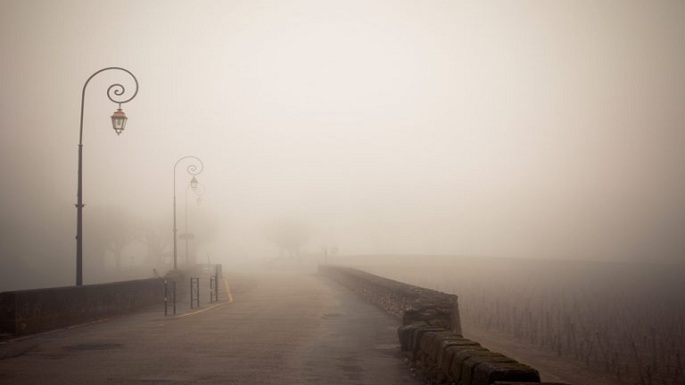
(31, 311)
(430, 336)
(406, 302)
(25, 312)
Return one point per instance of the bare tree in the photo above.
(203, 227)
(154, 237)
(288, 235)
(110, 229)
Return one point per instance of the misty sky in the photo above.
(549, 129)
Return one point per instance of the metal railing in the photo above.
(169, 296)
(214, 288)
(194, 292)
(170, 292)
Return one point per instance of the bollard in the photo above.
(194, 292)
(166, 297)
(174, 294)
(216, 285)
(169, 295)
(212, 288)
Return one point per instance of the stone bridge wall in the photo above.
(31, 311)
(430, 336)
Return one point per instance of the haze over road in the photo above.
(289, 328)
(525, 129)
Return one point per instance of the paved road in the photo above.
(288, 328)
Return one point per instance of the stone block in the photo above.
(432, 341)
(486, 373)
(447, 350)
(416, 337)
(468, 368)
(404, 334)
(436, 309)
(426, 357)
(461, 354)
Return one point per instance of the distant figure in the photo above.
(154, 273)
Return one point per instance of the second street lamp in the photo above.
(199, 190)
(195, 167)
(114, 93)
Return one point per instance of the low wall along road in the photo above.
(32, 311)
(25, 312)
(430, 336)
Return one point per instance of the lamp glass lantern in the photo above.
(119, 120)
(193, 183)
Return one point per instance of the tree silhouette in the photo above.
(109, 229)
(154, 236)
(288, 235)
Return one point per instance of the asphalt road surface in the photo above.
(288, 328)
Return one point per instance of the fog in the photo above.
(520, 129)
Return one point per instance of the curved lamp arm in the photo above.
(114, 91)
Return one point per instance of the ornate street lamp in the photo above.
(114, 93)
(193, 169)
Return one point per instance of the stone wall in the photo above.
(31, 311)
(407, 302)
(430, 336)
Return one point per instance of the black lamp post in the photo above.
(199, 190)
(193, 169)
(114, 92)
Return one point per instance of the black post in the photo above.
(166, 297)
(118, 90)
(211, 289)
(194, 292)
(216, 285)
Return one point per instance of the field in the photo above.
(625, 319)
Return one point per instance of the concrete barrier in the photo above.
(430, 336)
